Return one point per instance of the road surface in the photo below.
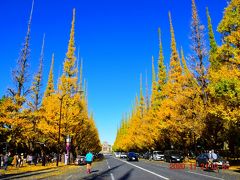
(119, 169)
(112, 168)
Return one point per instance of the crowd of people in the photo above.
(19, 159)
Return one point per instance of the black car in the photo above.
(202, 161)
(100, 156)
(131, 156)
(80, 160)
(173, 156)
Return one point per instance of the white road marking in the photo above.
(143, 169)
(69, 177)
(108, 165)
(205, 175)
(112, 177)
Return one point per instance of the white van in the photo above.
(158, 156)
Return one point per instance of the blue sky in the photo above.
(116, 39)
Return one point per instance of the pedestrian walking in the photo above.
(5, 160)
(15, 160)
(89, 159)
(21, 160)
(1, 161)
(214, 155)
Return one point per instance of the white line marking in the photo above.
(69, 177)
(205, 175)
(112, 177)
(108, 165)
(144, 169)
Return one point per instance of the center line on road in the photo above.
(205, 175)
(143, 169)
(108, 165)
(112, 177)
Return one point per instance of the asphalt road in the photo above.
(119, 169)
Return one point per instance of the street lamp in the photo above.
(59, 123)
(59, 126)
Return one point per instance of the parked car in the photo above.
(222, 163)
(147, 155)
(131, 156)
(117, 154)
(158, 155)
(123, 155)
(173, 156)
(80, 160)
(202, 160)
(100, 156)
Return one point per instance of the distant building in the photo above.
(106, 148)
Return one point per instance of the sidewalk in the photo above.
(36, 171)
(30, 172)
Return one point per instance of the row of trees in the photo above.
(196, 103)
(29, 118)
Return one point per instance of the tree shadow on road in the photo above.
(101, 175)
(127, 175)
(94, 171)
(237, 170)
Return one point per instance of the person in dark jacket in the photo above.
(5, 160)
